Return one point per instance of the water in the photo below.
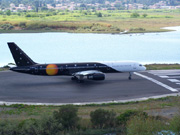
(70, 47)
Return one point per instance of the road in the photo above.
(17, 87)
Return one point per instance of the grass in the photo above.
(162, 66)
(88, 22)
(3, 69)
(24, 118)
(20, 112)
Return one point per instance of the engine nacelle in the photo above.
(96, 77)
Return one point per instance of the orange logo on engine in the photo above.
(51, 69)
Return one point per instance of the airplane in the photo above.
(78, 71)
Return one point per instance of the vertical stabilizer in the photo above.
(20, 58)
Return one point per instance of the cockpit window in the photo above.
(140, 65)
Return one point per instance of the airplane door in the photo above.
(134, 66)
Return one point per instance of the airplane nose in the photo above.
(144, 68)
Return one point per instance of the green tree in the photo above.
(36, 5)
(99, 14)
(124, 117)
(135, 15)
(22, 24)
(101, 118)
(8, 12)
(67, 116)
(144, 15)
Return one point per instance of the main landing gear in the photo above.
(130, 75)
(79, 80)
(74, 78)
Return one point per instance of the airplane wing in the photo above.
(91, 75)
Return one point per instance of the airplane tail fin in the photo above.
(20, 58)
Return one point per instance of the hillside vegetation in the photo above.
(89, 21)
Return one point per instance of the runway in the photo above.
(23, 88)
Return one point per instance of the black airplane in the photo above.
(78, 71)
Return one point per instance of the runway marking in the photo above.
(164, 76)
(165, 72)
(174, 80)
(174, 77)
(157, 82)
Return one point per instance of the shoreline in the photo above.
(76, 32)
(160, 30)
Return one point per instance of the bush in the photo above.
(137, 29)
(67, 116)
(48, 14)
(28, 15)
(8, 127)
(126, 116)
(139, 125)
(49, 126)
(144, 15)
(29, 127)
(135, 15)
(8, 12)
(101, 118)
(99, 14)
(35, 26)
(7, 27)
(22, 24)
(175, 124)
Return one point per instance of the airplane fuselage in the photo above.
(71, 68)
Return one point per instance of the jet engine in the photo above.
(96, 77)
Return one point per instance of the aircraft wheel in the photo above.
(74, 78)
(129, 78)
(80, 81)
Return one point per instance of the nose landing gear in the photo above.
(130, 75)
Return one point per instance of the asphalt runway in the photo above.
(17, 87)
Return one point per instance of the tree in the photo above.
(144, 15)
(99, 14)
(135, 15)
(67, 116)
(8, 12)
(124, 117)
(53, 4)
(83, 5)
(44, 8)
(101, 118)
(36, 5)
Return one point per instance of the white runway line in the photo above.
(157, 82)
(164, 72)
(174, 77)
(174, 80)
(164, 76)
